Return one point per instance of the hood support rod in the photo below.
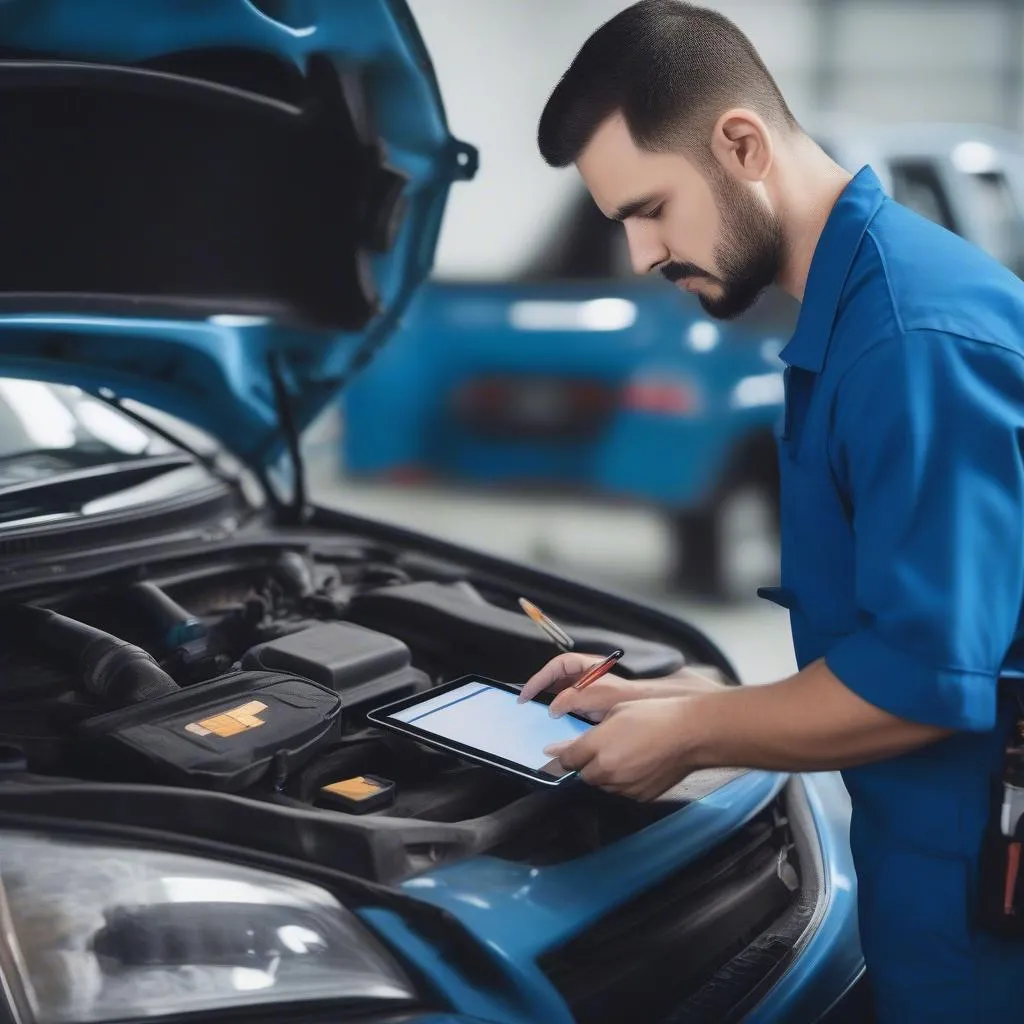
(296, 511)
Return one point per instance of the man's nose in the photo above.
(646, 250)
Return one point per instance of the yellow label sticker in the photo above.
(358, 788)
(230, 723)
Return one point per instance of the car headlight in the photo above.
(94, 931)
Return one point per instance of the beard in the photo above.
(749, 257)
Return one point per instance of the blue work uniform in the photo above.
(902, 520)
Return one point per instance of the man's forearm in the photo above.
(809, 722)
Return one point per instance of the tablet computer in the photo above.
(478, 719)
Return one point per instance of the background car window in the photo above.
(916, 184)
(1000, 227)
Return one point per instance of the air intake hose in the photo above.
(178, 626)
(117, 672)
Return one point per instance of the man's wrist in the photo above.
(700, 718)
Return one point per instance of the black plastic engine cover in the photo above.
(367, 668)
(225, 734)
(474, 636)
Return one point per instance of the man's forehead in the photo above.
(609, 164)
(620, 176)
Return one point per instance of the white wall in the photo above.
(916, 60)
(497, 61)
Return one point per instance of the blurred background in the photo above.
(543, 403)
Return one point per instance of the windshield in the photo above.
(47, 430)
(65, 454)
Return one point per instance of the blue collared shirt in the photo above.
(902, 518)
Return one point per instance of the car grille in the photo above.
(654, 959)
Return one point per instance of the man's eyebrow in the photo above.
(633, 207)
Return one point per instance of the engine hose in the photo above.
(292, 570)
(178, 626)
(117, 672)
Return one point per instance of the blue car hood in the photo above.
(210, 207)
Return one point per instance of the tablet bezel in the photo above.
(380, 717)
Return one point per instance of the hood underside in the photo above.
(201, 198)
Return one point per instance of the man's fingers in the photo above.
(598, 697)
(559, 672)
(608, 693)
(573, 754)
(556, 749)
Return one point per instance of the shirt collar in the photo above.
(830, 266)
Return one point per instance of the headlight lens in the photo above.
(97, 932)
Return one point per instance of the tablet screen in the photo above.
(488, 719)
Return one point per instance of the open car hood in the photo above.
(211, 206)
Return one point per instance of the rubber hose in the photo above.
(117, 672)
(178, 626)
(294, 571)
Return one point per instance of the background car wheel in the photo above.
(731, 549)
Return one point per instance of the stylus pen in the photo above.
(548, 625)
(595, 673)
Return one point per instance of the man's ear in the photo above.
(742, 145)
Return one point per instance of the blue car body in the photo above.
(684, 394)
(686, 397)
(231, 367)
(522, 913)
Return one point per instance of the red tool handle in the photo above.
(1012, 870)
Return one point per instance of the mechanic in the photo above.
(902, 476)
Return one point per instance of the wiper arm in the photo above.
(209, 462)
(68, 491)
(77, 457)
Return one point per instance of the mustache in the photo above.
(681, 271)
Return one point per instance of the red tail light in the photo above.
(667, 398)
(406, 475)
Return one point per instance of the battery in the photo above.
(358, 795)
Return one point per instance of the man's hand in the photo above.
(809, 722)
(598, 699)
(594, 701)
(640, 750)
(559, 673)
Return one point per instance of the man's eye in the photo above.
(653, 214)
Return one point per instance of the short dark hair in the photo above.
(670, 68)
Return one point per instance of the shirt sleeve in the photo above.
(926, 436)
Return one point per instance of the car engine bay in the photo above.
(252, 675)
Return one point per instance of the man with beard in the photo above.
(902, 491)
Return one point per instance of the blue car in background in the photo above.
(581, 378)
(212, 212)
